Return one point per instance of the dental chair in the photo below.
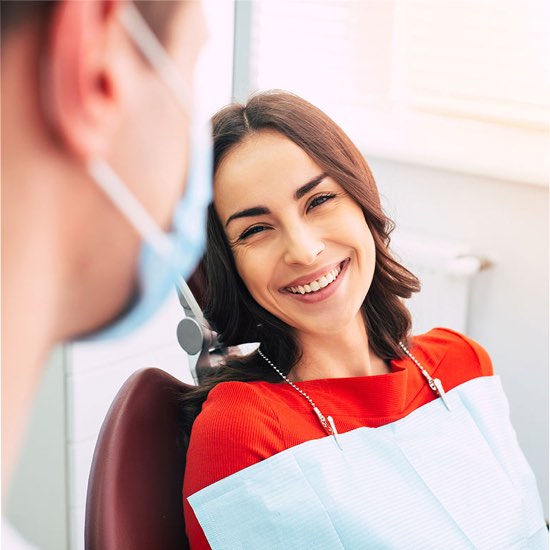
(194, 334)
(134, 498)
(134, 492)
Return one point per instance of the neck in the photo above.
(28, 322)
(30, 255)
(341, 354)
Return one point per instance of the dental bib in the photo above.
(449, 475)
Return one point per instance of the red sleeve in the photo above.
(449, 356)
(468, 356)
(235, 429)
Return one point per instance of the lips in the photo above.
(317, 281)
(316, 284)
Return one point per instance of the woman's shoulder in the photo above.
(445, 346)
(236, 428)
(227, 392)
(252, 398)
(233, 416)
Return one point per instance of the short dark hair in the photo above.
(230, 308)
(158, 13)
(15, 12)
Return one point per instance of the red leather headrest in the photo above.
(135, 488)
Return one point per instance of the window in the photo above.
(457, 84)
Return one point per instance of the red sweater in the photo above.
(244, 423)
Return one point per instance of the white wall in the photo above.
(509, 305)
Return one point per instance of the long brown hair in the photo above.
(231, 310)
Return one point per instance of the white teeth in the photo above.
(320, 283)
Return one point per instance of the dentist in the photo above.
(105, 177)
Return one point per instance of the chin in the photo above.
(100, 317)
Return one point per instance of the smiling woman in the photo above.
(298, 260)
(297, 144)
(289, 232)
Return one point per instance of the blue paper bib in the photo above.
(436, 479)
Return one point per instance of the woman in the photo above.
(283, 454)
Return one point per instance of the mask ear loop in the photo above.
(127, 203)
(155, 53)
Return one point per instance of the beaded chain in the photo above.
(322, 419)
(422, 369)
(327, 422)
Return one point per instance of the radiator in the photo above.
(446, 271)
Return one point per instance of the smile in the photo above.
(317, 284)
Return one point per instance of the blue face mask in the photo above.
(166, 259)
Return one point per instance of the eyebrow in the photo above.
(263, 210)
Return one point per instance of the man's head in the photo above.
(79, 90)
(76, 87)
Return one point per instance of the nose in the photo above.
(302, 245)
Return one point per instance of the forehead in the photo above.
(263, 167)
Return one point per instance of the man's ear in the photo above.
(82, 96)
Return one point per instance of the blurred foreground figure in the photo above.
(105, 177)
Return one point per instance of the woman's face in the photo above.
(300, 242)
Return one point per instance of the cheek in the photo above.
(365, 242)
(257, 273)
(354, 223)
(252, 273)
(370, 248)
(150, 152)
(369, 241)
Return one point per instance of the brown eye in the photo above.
(251, 231)
(320, 199)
